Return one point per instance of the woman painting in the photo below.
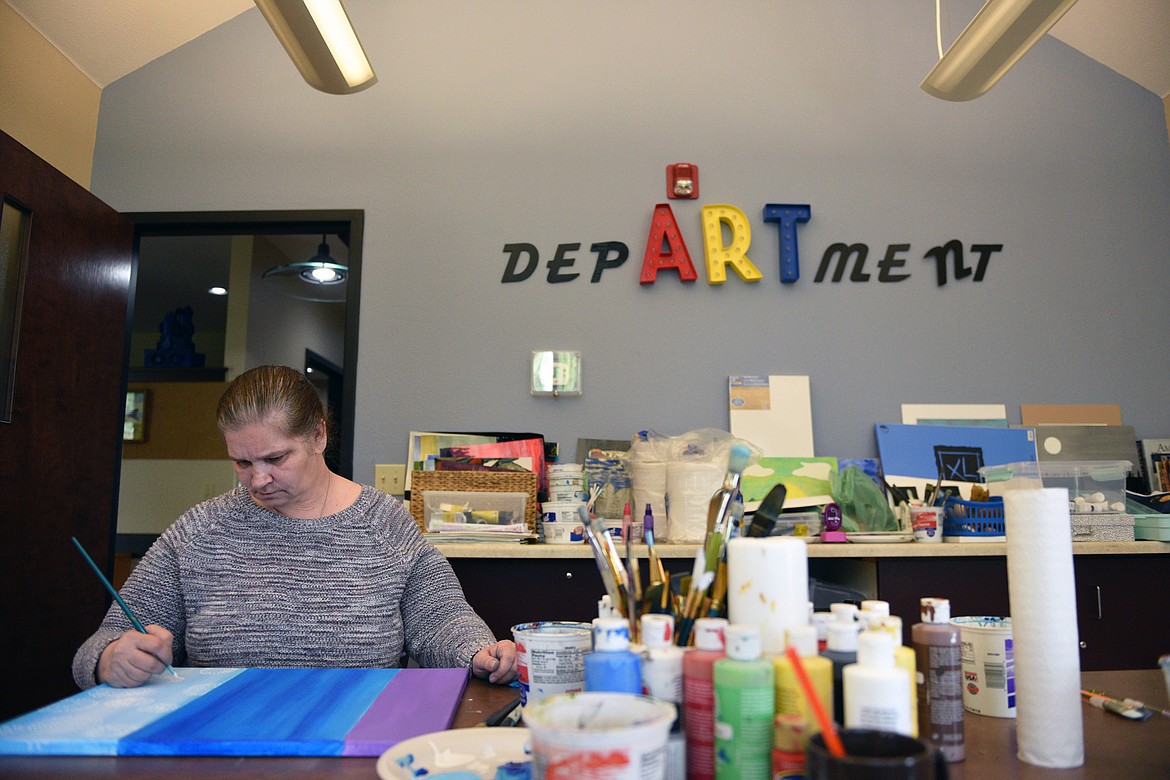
(297, 566)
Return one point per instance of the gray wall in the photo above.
(552, 122)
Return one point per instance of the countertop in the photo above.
(516, 550)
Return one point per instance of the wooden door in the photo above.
(60, 446)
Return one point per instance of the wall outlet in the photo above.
(390, 478)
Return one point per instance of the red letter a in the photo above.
(665, 248)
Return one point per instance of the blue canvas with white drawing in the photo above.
(918, 455)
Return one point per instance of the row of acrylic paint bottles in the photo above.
(930, 671)
(747, 717)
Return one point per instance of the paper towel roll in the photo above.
(767, 586)
(1049, 731)
(648, 480)
(689, 487)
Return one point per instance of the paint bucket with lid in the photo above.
(989, 672)
(550, 657)
(566, 482)
(616, 736)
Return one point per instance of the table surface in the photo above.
(1114, 747)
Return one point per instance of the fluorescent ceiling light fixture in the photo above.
(321, 41)
(999, 35)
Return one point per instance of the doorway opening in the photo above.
(344, 225)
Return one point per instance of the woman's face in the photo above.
(277, 470)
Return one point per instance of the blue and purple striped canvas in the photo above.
(245, 712)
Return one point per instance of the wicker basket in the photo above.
(474, 482)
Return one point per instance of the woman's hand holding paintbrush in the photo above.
(133, 658)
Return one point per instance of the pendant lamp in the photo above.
(320, 278)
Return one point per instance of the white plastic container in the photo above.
(989, 681)
(550, 656)
(562, 533)
(474, 507)
(1094, 486)
(625, 732)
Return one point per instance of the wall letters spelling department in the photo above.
(667, 250)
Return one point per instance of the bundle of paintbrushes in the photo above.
(704, 593)
(622, 576)
(708, 585)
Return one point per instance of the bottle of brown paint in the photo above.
(940, 679)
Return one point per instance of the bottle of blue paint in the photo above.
(612, 667)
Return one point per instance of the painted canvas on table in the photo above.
(245, 712)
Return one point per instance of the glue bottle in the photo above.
(841, 650)
(745, 708)
(662, 662)
(662, 679)
(790, 696)
(940, 679)
(871, 612)
(876, 691)
(612, 667)
(699, 696)
(821, 621)
(904, 658)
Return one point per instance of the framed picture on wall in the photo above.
(134, 427)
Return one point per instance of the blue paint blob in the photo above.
(514, 770)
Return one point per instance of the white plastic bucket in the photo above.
(563, 533)
(615, 529)
(568, 512)
(550, 657)
(989, 673)
(567, 494)
(565, 469)
(599, 736)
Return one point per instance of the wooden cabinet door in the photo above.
(509, 591)
(1123, 610)
(61, 444)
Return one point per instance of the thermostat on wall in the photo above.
(556, 373)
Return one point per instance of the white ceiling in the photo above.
(107, 39)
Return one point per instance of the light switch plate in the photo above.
(390, 478)
(556, 373)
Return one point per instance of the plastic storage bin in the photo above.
(803, 524)
(474, 508)
(1094, 486)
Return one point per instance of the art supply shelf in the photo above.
(561, 582)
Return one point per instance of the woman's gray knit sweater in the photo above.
(240, 586)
